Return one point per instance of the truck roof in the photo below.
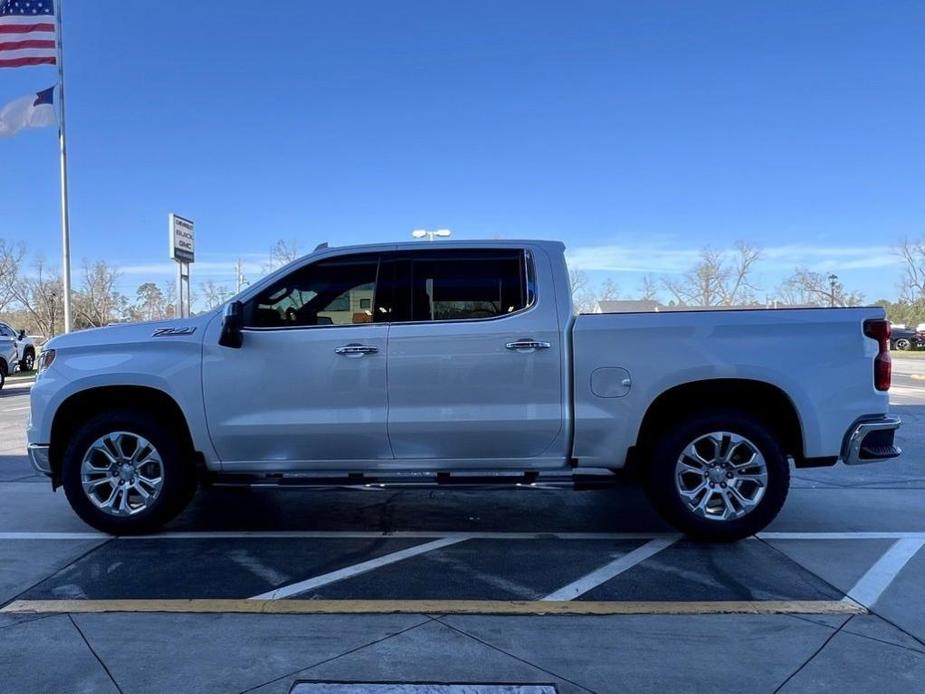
(556, 246)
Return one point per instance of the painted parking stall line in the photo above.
(856, 535)
(357, 569)
(610, 570)
(482, 607)
(437, 534)
(878, 577)
(332, 534)
(608, 582)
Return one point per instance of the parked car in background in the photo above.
(8, 357)
(458, 363)
(25, 346)
(904, 339)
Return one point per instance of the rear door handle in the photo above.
(356, 350)
(528, 344)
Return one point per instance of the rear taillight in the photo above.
(879, 329)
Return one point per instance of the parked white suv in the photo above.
(25, 347)
(458, 362)
(9, 356)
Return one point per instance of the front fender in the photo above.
(170, 366)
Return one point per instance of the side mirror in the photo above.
(232, 322)
(22, 335)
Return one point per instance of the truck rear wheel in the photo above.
(718, 476)
(124, 473)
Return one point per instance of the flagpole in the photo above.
(62, 146)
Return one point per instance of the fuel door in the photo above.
(611, 382)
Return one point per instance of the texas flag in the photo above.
(33, 111)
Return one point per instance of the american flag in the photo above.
(27, 33)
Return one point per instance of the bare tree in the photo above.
(40, 294)
(582, 296)
(740, 290)
(648, 288)
(214, 294)
(912, 284)
(11, 258)
(282, 253)
(585, 296)
(169, 292)
(717, 280)
(97, 303)
(702, 285)
(817, 289)
(609, 291)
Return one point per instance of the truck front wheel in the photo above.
(718, 476)
(124, 473)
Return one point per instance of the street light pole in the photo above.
(833, 280)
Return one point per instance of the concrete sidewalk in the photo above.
(238, 653)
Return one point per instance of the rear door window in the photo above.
(459, 284)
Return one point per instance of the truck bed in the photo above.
(658, 351)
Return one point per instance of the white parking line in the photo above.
(356, 569)
(608, 571)
(53, 536)
(878, 578)
(858, 535)
(438, 534)
(334, 534)
(15, 409)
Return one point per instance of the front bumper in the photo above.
(38, 454)
(870, 440)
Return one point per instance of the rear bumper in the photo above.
(38, 454)
(871, 439)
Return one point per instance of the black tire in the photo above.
(903, 344)
(662, 488)
(179, 479)
(2, 375)
(28, 360)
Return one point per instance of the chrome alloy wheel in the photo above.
(721, 476)
(122, 473)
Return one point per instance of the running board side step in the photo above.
(587, 478)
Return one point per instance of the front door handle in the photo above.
(356, 350)
(528, 344)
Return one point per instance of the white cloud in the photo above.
(203, 268)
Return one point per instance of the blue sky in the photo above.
(637, 132)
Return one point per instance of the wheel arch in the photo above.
(757, 398)
(74, 410)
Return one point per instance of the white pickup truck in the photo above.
(458, 362)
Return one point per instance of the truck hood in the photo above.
(125, 333)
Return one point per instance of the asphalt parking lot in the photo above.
(255, 590)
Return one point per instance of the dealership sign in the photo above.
(182, 242)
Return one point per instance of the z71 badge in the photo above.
(171, 332)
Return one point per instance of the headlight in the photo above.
(45, 359)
